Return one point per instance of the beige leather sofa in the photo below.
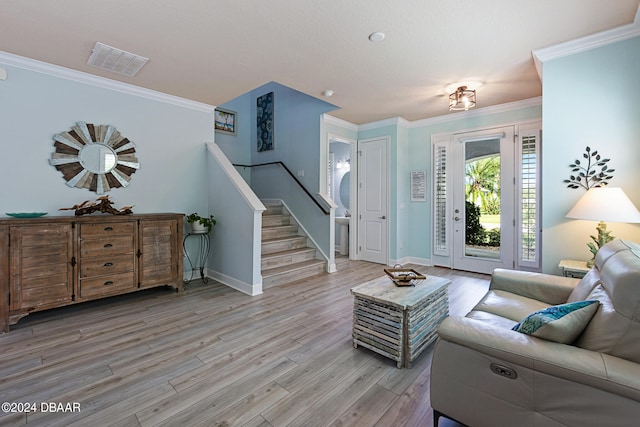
(486, 374)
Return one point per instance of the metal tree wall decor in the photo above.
(590, 172)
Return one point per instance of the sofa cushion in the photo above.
(610, 331)
(559, 323)
(509, 305)
(586, 286)
(492, 319)
(615, 328)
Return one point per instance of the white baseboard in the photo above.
(245, 288)
(331, 268)
(413, 260)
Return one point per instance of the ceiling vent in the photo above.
(116, 60)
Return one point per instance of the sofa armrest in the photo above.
(547, 288)
(616, 375)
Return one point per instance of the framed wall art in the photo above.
(226, 121)
(264, 110)
(418, 186)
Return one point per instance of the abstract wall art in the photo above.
(264, 108)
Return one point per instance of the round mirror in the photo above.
(345, 190)
(95, 157)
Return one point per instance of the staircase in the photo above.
(286, 253)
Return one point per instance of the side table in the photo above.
(204, 247)
(399, 322)
(573, 268)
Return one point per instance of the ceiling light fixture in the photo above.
(462, 99)
(327, 93)
(376, 37)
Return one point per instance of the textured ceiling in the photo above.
(215, 50)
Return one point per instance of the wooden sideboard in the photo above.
(50, 262)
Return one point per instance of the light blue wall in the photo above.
(236, 147)
(296, 131)
(589, 100)
(169, 139)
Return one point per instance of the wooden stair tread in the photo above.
(288, 252)
(271, 227)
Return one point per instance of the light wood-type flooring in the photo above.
(213, 356)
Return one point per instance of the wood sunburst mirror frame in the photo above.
(95, 157)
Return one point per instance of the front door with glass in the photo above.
(484, 199)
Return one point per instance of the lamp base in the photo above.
(603, 238)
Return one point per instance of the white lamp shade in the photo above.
(609, 204)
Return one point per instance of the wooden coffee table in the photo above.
(399, 322)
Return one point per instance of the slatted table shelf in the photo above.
(399, 322)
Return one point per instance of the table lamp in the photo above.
(604, 204)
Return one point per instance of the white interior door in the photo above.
(373, 218)
(483, 217)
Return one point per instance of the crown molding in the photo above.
(326, 118)
(102, 82)
(583, 44)
(393, 121)
(477, 112)
(399, 121)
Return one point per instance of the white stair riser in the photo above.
(280, 231)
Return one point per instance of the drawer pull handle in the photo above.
(108, 229)
(108, 245)
(108, 264)
(108, 282)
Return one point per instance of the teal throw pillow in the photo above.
(559, 323)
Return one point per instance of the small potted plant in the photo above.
(201, 224)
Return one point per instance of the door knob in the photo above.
(383, 217)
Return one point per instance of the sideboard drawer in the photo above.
(109, 265)
(108, 246)
(106, 285)
(106, 229)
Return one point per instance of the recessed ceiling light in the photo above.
(327, 93)
(376, 37)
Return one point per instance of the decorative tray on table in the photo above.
(404, 276)
(26, 214)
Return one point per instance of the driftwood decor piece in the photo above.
(102, 204)
(95, 157)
